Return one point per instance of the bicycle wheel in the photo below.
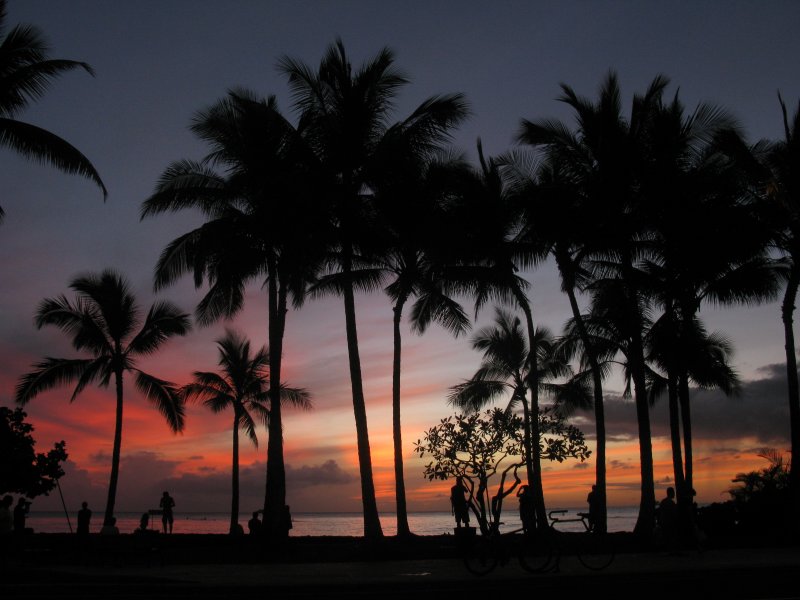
(596, 551)
(480, 556)
(536, 552)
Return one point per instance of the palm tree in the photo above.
(687, 355)
(708, 244)
(240, 385)
(103, 320)
(784, 188)
(606, 157)
(344, 120)
(558, 218)
(504, 368)
(490, 251)
(415, 216)
(254, 188)
(26, 72)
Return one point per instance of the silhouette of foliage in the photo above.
(478, 446)
(762, 496)
(22, 469)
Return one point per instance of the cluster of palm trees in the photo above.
(648, 214)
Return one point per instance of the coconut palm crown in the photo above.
(26, 72)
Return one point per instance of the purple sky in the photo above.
(157, 63)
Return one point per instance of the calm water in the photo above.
(316, 524)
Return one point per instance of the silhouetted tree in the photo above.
(103, 320)
(344, 119)
(26, 72)
(240, 385)
(783, 188)
(23, 470)
(557, 217)
(254, 189)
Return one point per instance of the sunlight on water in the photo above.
(314, 524)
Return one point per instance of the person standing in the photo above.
(6, 520)
(527, 509)
(84, 517)
(167, 504)
(594, 507)
(458, 502)
(20, 512)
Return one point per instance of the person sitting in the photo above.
(144, 524)
(111, 528)
(254, 525)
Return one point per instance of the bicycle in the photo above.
(482, 554)
(595, 551)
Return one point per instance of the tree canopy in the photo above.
(23, 470)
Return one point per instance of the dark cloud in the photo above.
(328, 473)
(100, 458)
(760, 411)
(619, 464)
(196, 457)
(581, 465)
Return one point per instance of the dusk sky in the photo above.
(158, 62)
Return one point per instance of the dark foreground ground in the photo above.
(217, 566)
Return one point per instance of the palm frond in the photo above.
(48, 374)
(166, 398)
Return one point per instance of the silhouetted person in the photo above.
(668, 518)
(527, 508)
(286, 521)
(167, 518)
(6, 520)
(111, 528)
(84, 518)
(144, 522)
(254, 525)
(458, 502)
(594, 507)
(20, 512)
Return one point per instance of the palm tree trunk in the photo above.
(787, 315)
(372, 523)
(686, 421)
(115, 454)
(403, 529)
(601, 520)
(645, 523)
(533, 450)
(675, 435)
(275, 498)
(235, 475)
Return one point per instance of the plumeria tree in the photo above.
(479, 446)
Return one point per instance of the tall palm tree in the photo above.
(415, 214)
(345, 121)
(561, 220)
(707, 244)
(26, 72)
(490, 252)
(606, 156)
(254, 188)
(784, 188)
(240, 385)
(103, 320)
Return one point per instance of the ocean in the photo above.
(312, 524)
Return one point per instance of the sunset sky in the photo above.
(158, 62)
